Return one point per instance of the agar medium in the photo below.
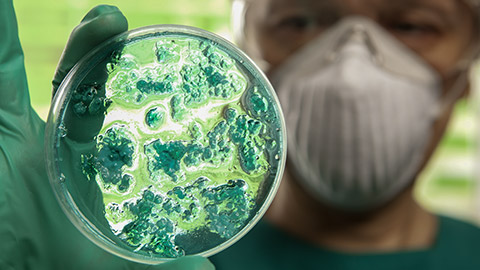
(163, 142)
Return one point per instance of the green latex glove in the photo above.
(34, 232)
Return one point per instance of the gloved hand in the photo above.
(34, 232)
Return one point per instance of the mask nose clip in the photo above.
(357, 33)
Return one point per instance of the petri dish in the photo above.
(165, 141)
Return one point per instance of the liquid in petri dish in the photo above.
(189, 145)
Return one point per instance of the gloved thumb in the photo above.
(101, 23)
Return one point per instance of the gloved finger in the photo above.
(100, 24)
(185, 263)
(13, 83)
(84, 117)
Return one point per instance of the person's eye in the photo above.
(411, 28)
(415, 34)
(296, 23)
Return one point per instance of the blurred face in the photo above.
(440, 31)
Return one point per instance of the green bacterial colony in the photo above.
(185, 146)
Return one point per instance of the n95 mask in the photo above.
(359, 108)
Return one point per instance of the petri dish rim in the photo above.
(61, 99)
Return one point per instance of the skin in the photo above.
(441, 32)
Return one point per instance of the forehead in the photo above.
(361, 6)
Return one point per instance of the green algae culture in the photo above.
(172, 144)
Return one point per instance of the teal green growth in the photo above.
(186, 143)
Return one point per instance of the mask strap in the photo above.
(454, 93)
(239, 10)
(241, 38)
(458, 87)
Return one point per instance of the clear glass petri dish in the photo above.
(165, 141)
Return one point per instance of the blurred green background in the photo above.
(447, 186)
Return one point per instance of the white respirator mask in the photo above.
(359, 108)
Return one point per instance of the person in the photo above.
(367, 88)
(34, 232)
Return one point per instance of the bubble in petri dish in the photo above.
(186, 145)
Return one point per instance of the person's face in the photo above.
(442, 32)
(439, 31)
